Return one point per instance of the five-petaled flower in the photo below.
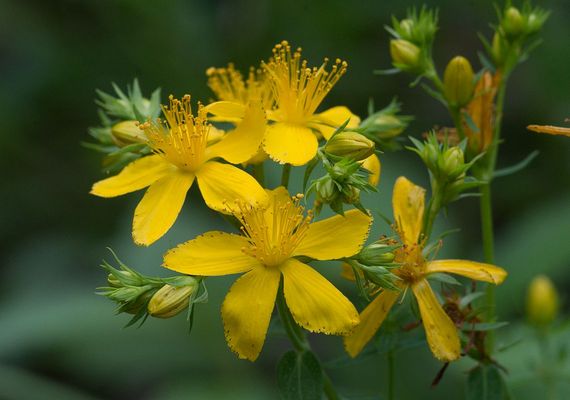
(273, 236)
(408, 203)
(184, 151)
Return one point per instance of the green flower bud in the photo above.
(430, 155)
(407, 28)
(326, 190)
(353, 195)
(350, 144)
(376, 254)
(458, 81)
(405, 55)
(394, 122)
(113, 281)
(170, 300)
(451, 161)
(542, 301)
(126, 133)
(498, 49)
(513, 22)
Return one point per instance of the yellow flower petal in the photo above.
(470, 269)
(408, 203)
(242, 143)
(552, 130)
(290, 143)
(314, 302)
(370, 320)
(135, 176)
(222, 184)
(440, 330)
(327, 121)
(160, 206)
(226, 111)
(372, 165)
(335, 237)
(247, 309)
(212, 254)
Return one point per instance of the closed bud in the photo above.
(326, 190)
(542, 301)
(405, 55)
(498, 49)
(352, 195)
(430, 155)
(170, 300)
(350, 144)
(513, 22)
(407, 28)
(394, 126)
(452, 160)
(127, 132)
(113, 281)
(376, 254)
(458, 81)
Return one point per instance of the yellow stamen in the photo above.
(298, 89)
(412, 263)
(228, 84)
(274, 232)
(183, 138)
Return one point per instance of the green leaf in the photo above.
(444, 278)
(485, 382)
(300, 376)
(517, 167)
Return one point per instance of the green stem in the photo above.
(457, 121)
(298, 339)
(285, 175)
(433, 208)
(391, 376)
(259, 173)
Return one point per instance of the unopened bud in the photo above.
(407, 28)
(513, 22)
(350, 144)
(452, 160)
(430, 155)
(170, 300)
(534, 22)
(326, 190)
(405, 55)
(458, 81)
(393, 126)
(353, 195)
(542, 301)
(376, 254)
(127, 132)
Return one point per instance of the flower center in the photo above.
(275, 231)
(228, 84)
(413, 263)
(297, 88)
(182, 138)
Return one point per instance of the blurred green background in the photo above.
(59, 340)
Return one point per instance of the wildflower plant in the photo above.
(272, 117)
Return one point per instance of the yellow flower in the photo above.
(481, 109)
(373, 166)
(299, 90)
(272, 237)
(408, 203)
(552, 130)
(185, 151)
(234, 94)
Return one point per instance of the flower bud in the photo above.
(376, 254)
(452, 160)
(430, 155)
(513, 22)
(497, 49)
(393, 126)
(458, 81)
(407, 28)
(405, 55)
(535, 21)
(127, 132)
(325, 189)
(350, 144)
(542, 301)
(352, 196)
(170, 300)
